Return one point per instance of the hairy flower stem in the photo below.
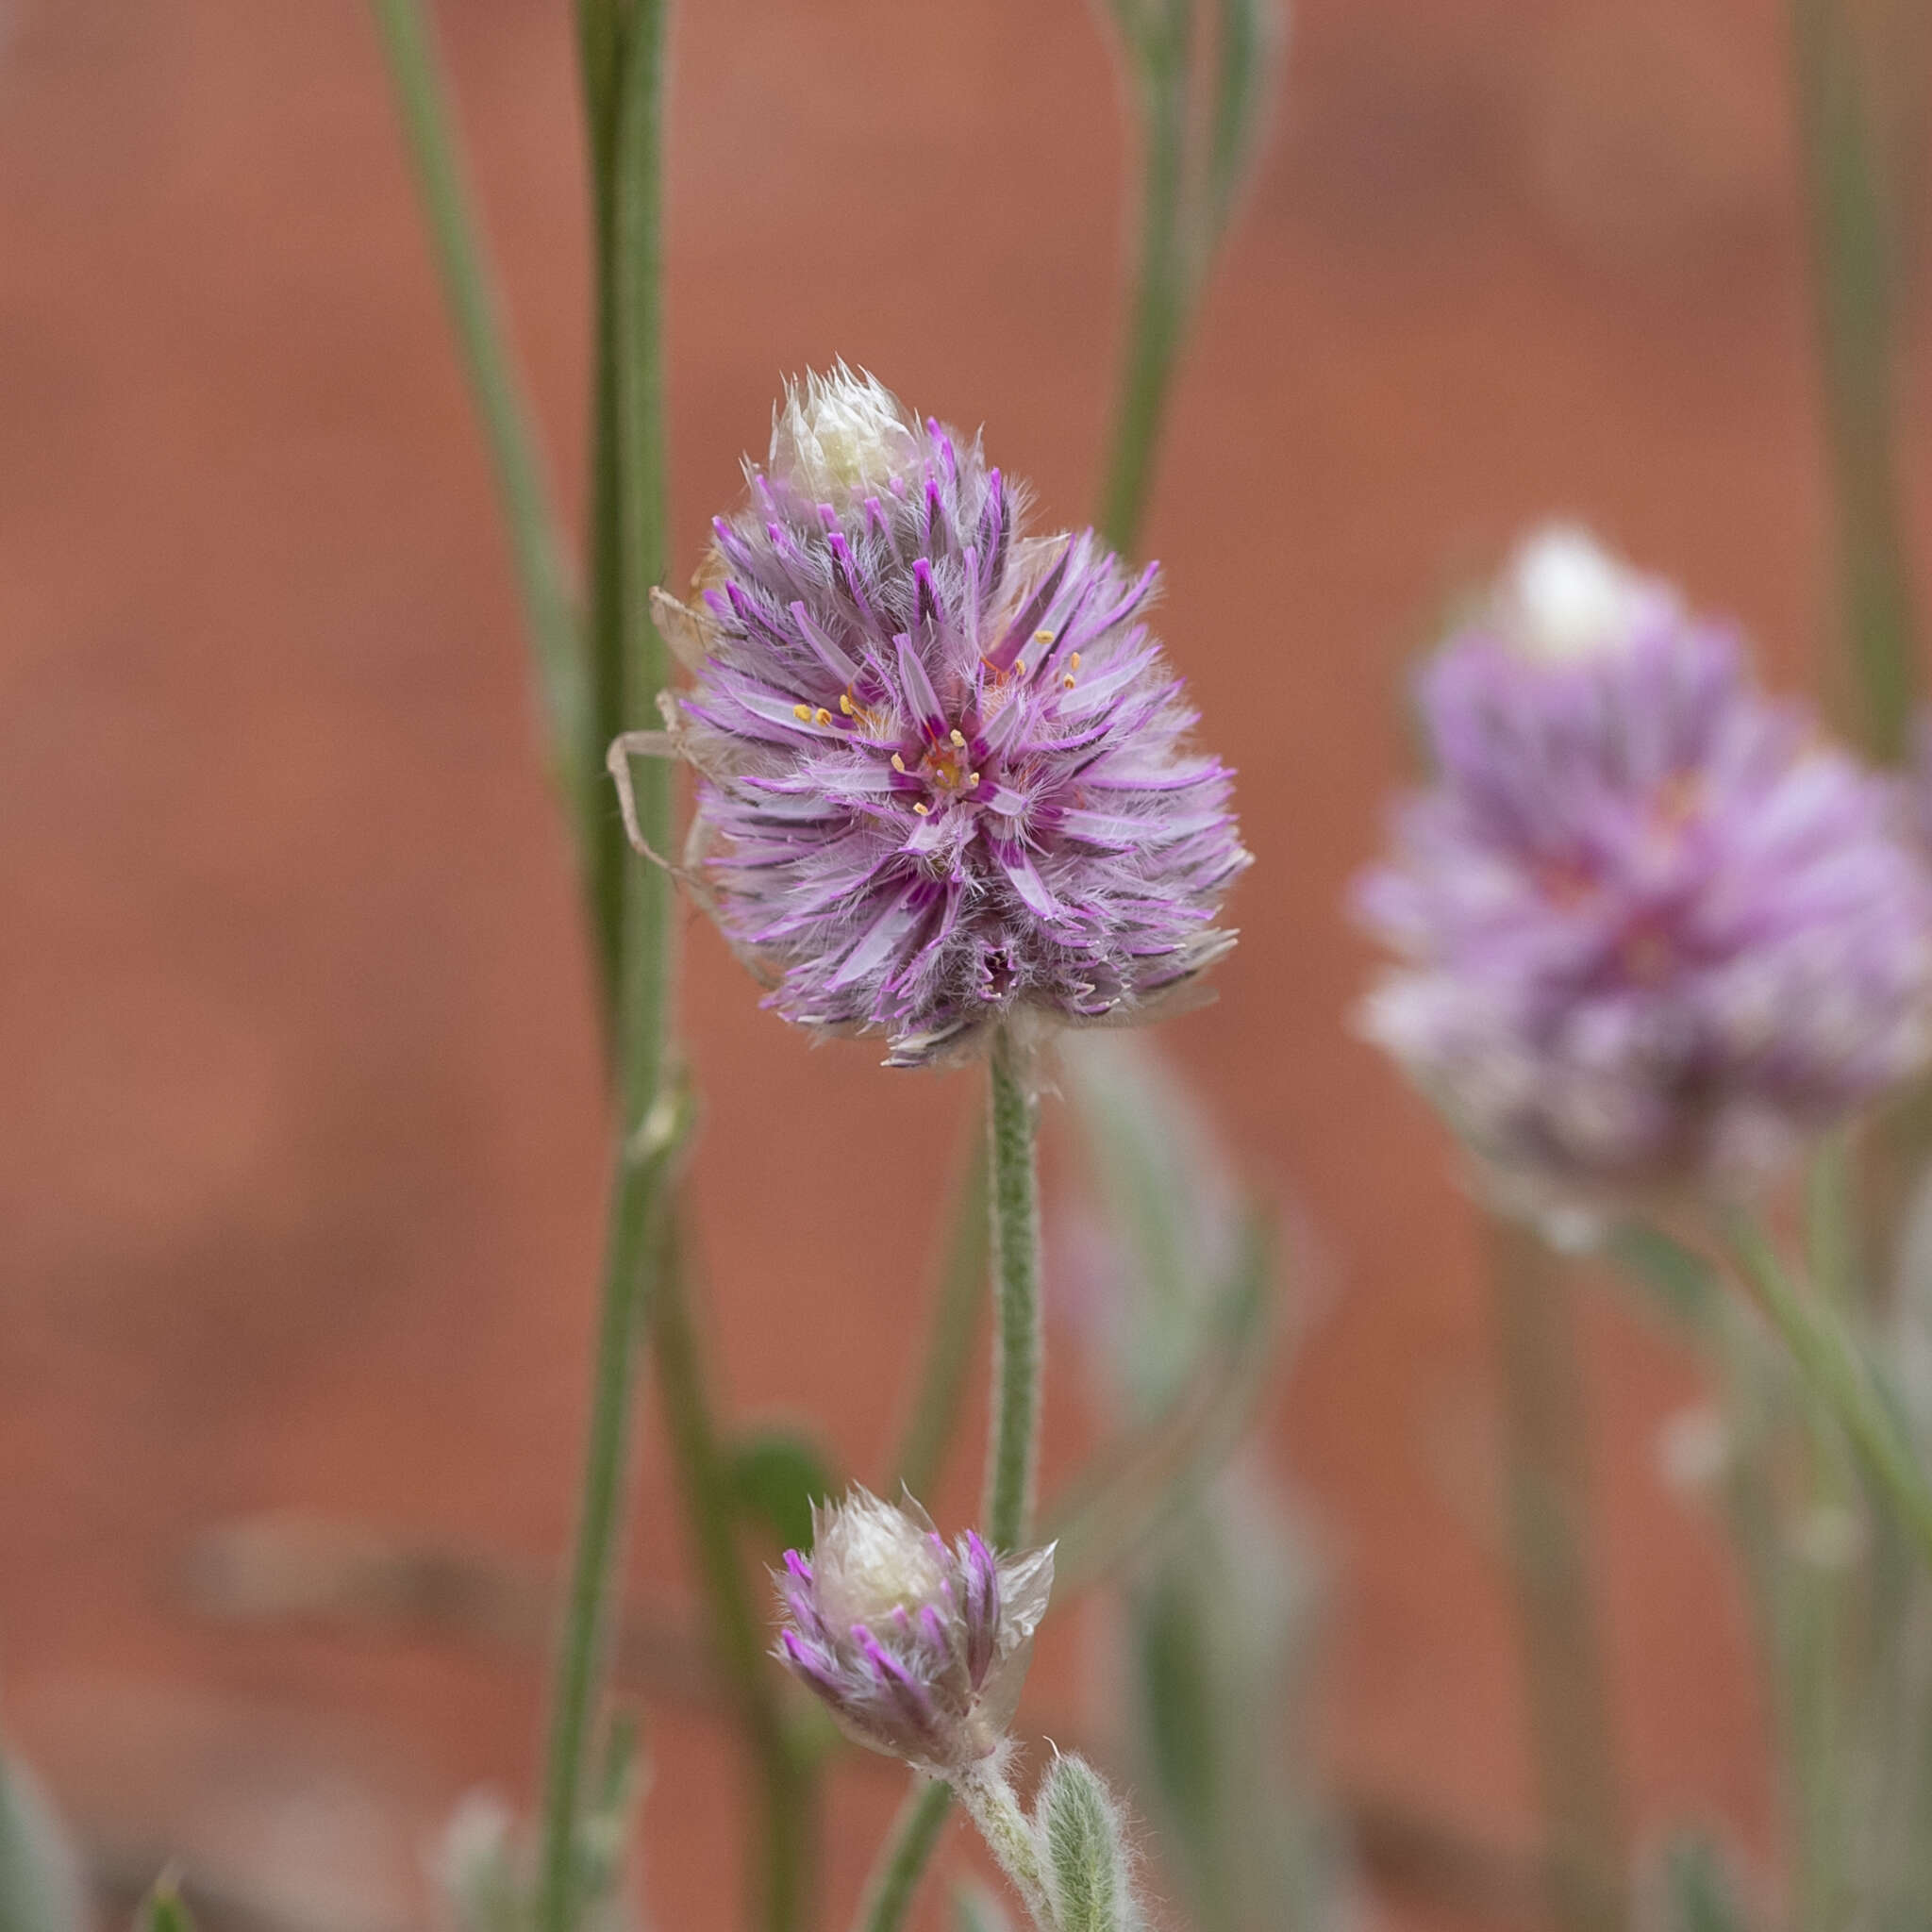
(901, 1863)
(621, 42)
(788, 1786)
(1830, 1361)
(1013, 1448)
(1548, 1509)
(1158, 319)
(989, 1801)
(537, 545)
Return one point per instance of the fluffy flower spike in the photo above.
(1653, 934)
(917, 1648)
(945, 776)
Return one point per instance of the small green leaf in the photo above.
(163, 1909)
(1085, 1852)
(775, 1476)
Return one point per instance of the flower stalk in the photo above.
(1012, 1453)
(1548, 1512)
(988, 1799)
(623, 48)
(1856, 277)
(1837, 1374)
(538, 549)
(639, 1199)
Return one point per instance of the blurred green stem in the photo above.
(934, 1414)
(645, 1161)
(1012, 1451)
(902, 1860)
(1548, 1520)
(1834, 1368)
(1855, 273)
(537, 544)
(788, 1787)
(622, 43)
(1159, 315)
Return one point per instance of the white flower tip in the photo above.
(842, 436)
(871, 1558)
(1565, 598)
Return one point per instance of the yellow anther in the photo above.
(1020, 668)
(822, 716)
(898, 764)
(1073, 662)
(1066, 683)
(971, 780)
(802, 713)
(959, 739)
(845, 703)
(1043, 637)
(924, 811)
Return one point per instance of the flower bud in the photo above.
(918, 1649)
(1565, 598)
(841, 438)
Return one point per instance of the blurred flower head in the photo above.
(917, 1648)
(1650, 934)
(945, 776)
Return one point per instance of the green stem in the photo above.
(538, 549)
(1548, 1513)
(642, 1172)
(623, 46)
(1832, 1367)
(934, 1414)
(1157, 318)
(643, 1002)
(902, 1860)
(1854, 269)
(1013, 1448)
(788, 1786)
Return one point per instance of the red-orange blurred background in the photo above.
(301, 1155)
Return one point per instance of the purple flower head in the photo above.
(918, 1649)
(1653, 934)
(945, 776)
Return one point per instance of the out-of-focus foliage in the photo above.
(1838, 1591)
(483, 1870)
(40, 1885)
(1219, 1604)
(776, 1476)
(1696, 1889)
(1197, 91)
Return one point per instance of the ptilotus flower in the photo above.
(945, 774)
(1653, 933)
(918, 1648)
